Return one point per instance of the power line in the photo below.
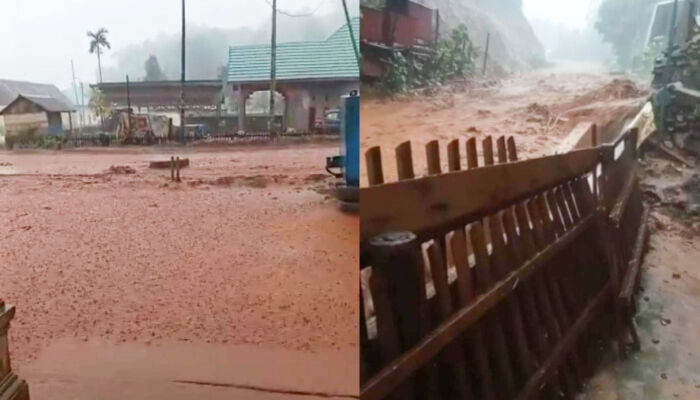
(289, 14)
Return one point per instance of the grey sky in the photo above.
(571, 13)
(38, 38)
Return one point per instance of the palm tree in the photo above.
(97, 41)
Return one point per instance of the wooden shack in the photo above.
(40, 114)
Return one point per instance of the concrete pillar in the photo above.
(298, 102)
(242, 95)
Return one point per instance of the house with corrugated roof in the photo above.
(40, 108)
(311, 75)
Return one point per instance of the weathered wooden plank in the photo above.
(432, 155)
(365, 372)
(493, 320)
(630, 278)
(487, 145)
(383, 383)
(512, 151)
(558, 356)
(553, 281)
(474, 335)
(430, 204)
(454, 352)
(453, 157)
(512, 311)
(387, 332)
(472, 157)
(375, 171)
(543, 291)
(621, 203)
(404, 161)
(502, 151)
(535, 332)
(396, 259)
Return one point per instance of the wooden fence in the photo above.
(491, 282)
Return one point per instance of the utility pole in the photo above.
(182, 79)
(75, 92)
(128, 96)
(352, 34)
(273, 68)
(82, 103)
(486, 53)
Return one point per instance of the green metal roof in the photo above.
(333, 58)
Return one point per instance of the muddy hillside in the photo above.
(513, 44)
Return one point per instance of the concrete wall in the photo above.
(302, 102)
(301, 99)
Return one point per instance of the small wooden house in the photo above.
(40, 114)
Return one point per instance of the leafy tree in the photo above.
(98, 40)
(454, 58)
(99, 105)
(653, 51)
(624, 24)
(153, 70)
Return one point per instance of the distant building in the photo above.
(28, 105)
(402, 26)
(38, 113)
(311, 75)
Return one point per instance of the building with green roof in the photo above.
(311, 75)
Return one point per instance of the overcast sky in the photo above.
(38, 38)
(572, 13)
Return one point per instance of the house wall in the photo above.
(55, 122)
(306, 104)
(25, 116)
(18, 123)
(416, 24)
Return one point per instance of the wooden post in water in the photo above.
(177, 168)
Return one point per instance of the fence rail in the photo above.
(490, 282)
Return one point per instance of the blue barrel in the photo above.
(350, 137)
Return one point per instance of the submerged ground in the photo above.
(127, 284)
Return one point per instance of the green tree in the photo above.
(624, 24)
(153, 70)
(98, 40)
(99, 105)
(453, 58)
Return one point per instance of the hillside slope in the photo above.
(513, 41)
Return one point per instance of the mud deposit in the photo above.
(539, 109)
(668, 365)
(247, 250)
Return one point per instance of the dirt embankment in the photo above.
(539, 109)
(513, 45)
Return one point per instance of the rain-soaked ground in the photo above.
(127, 284)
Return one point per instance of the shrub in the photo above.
(453, 58)
(29, 139)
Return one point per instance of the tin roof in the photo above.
(9, 90)
(333, 58)
(47, 103)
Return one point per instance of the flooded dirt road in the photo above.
(249, 250)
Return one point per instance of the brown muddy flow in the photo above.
(538, 109)
(247, 250)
